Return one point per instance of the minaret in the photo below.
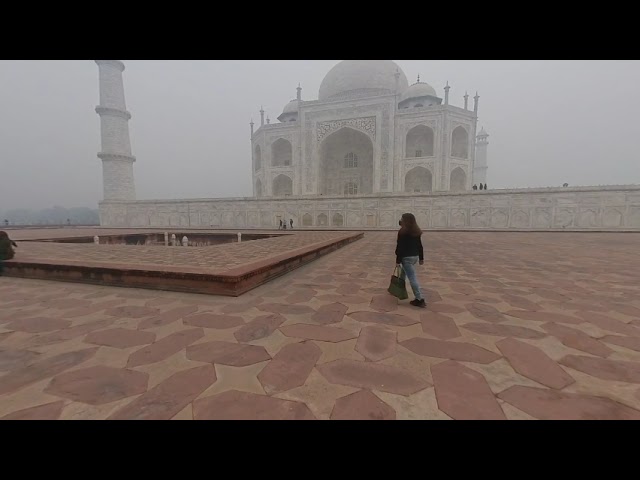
(466, 100)
(480, 166)
(299, 93)
(117, 161)
(443, 184)
(475, 103)
(261, 116)
(252, 124)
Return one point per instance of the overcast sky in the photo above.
(549, 122)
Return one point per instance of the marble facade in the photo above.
(612, 208)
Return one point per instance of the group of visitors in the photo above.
(283, 224)
(482, 187)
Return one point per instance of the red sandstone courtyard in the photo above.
(519, 326)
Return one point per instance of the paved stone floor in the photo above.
(216, 259)
(519, 326)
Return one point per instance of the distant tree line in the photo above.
(50, 216)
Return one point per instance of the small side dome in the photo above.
(290, 111)
(418, 90)
(291, 107)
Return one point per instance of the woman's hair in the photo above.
(409, 225)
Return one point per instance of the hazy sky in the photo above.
(549, 122)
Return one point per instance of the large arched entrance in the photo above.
(346, 163)
(418, 180)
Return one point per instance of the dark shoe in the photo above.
(419, 303)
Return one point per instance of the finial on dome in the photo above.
(299, 92)
(446, 93)
(466, 100)
(261, 116)
(418, 78)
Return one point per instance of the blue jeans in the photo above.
(408, 265)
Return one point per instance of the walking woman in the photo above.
(409, 252)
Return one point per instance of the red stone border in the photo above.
(233, 282)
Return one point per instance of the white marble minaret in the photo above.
(117, 161)
(480, 167)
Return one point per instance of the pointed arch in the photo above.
(419, 142)
(337, 220)
(418, 180)
(458, 181)
(258, 188)
(307, 220)
(282, 186)
(460, 142)
(346, 154)
(281, 153)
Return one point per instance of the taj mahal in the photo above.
(370, 148)
(369, 132)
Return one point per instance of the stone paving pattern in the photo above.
(519, 326)
(215, 259)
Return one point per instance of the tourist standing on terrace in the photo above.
(409, 252)
(6, 249)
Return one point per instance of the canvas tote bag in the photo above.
(397, 286)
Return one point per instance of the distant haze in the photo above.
(550, 122)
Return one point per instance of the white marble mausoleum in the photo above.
(370, 148)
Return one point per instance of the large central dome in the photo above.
(354, 78)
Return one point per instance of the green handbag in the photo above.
(398, 287)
